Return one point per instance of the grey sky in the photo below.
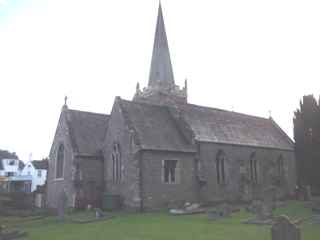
(252, 56)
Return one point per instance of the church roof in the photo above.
(221, 126)
(40, 164)
(161, 72)
(21, 165)
(87, 131)
(157, 127)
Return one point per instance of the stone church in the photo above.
(158, 149)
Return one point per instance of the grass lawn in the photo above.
(161, 226)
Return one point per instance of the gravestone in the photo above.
(308, 195)
(283, 229)
(222, 211)
(62, 205)
(316, 212)
(263, 212)
(99, 213)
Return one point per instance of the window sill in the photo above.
(58, 179)
(175, 183)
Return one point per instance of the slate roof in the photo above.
(157, 128)
(43, 164)
(221, 126)
(21, 165)
(87, 131)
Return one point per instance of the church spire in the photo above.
(161, 74)
(161, 87)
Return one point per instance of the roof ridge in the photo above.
(228, 111)
(143, 103)
(88, 112)
(199, 106)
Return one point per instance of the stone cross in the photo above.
(308, 196)
(62, 204)
(283, 229)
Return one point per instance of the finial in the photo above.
(138, 87)
(65, 100)
(270, 114)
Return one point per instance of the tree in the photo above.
(306, 123)
(7, 154)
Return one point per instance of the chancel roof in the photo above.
(87, 131)
(221, 126)
(165, 127)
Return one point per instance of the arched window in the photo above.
(220, 167)
(253, 168)
(116, 163)
(280, 166)
(60, 162)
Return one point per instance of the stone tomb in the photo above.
(283, 229)
(11, 235)
(263, 208)
(222, 211)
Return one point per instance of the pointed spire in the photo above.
(161, 74)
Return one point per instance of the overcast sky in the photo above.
(250, 56)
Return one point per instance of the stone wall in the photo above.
(56, 186)
(92, 181)
(238, 185)
(156, 193)
(119, 132)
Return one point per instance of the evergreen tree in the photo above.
(307, 138)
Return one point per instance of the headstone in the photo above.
(265, 211)
(226, 209)
(215, 214)
(222, 211)
(316, 212)
(308, 195)
(283, 229)
(99, 213)
(62, 204)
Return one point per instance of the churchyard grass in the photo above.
(160, 226)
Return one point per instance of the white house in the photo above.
(10, 176)
(10, 167)
(38, 171)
